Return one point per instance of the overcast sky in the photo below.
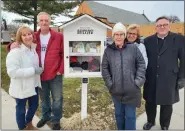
(152, 9)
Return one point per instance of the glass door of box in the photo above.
(84, 56)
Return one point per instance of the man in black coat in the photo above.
(165, 73)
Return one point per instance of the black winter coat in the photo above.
(123, 71)
(163, 72)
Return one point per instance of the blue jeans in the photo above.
(23, 118)
(125, 116)
(55, 87)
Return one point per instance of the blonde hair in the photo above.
(20, 32)
(43, 13)
(132, 27)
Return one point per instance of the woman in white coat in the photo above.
(133, 37)
(23, 68)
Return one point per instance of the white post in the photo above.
(84, 98)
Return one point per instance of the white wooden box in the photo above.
(83, 41)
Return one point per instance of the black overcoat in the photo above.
(163, 71)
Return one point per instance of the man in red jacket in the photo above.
(50, 51)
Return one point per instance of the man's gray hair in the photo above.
(43, 13)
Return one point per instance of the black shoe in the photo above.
(164, 128)
(41, 123)
(56, 126)
(148, 126)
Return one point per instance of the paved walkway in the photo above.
(8, 113)
(177, 120)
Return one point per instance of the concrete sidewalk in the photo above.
(8, 113)
(177, 120)
(9, 121)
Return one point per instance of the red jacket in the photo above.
(54, 58)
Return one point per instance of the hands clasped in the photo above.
(39, 70)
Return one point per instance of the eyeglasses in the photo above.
(162, 25)
(131, 33)
(117, 35)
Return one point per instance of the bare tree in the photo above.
(13, 27)
(174, 19)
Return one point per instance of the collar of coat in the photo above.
(33, 46)
(52, 32)
(169, 33)
(113, 46)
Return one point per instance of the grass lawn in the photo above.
(100, 106)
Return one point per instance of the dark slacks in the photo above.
(165, 113)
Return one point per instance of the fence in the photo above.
(147, 30)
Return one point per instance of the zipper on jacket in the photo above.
(121, 52)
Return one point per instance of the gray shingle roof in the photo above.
(115, 15)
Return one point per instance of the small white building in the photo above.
(5, 37)
(84, 38)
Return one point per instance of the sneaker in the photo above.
(56, 126)
(41, 123)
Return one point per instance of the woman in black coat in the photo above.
(123, 70)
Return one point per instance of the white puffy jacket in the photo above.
(142, 49)
(20, 69)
